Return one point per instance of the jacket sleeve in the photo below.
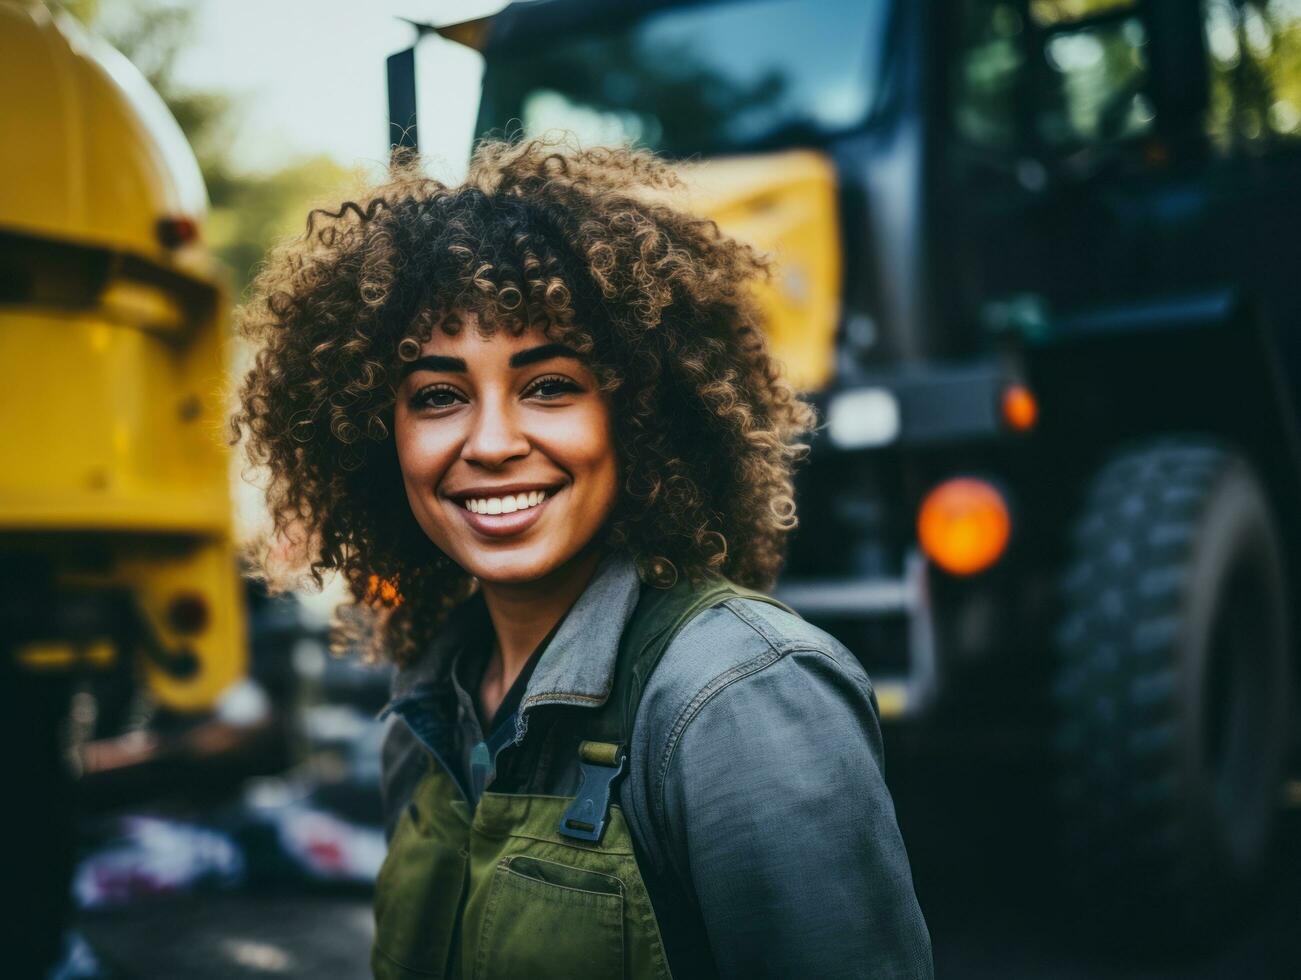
(777, 812)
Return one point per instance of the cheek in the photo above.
(606, 476)
(423, 453)
(585, 446)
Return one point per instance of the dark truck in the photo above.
(1057, 490)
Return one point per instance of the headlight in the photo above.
(863, 418)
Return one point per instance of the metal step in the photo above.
(898, 696)
(847, 597)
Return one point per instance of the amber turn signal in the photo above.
(964, 525)
(1020, 408)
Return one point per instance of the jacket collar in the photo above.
(578, 664)
(577, 667)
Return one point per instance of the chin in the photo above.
(512, 569)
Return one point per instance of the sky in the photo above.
(309, 77)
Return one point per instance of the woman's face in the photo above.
(506, 451)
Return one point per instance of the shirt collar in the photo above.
(578, 664)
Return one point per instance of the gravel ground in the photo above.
(989, 914)
(210, 936)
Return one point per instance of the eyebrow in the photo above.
(543, 353)
(435, 362)
(457, 365)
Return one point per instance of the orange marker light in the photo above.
(1020, 408)
(964, 525)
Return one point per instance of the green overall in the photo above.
(533, 886)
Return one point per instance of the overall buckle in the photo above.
(601, 763)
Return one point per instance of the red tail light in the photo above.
(178, 230)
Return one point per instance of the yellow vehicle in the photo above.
(116, 555)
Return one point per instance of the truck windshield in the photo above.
(697, 79)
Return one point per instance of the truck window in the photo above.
(698, 79)
(990, 65)
(1073, 76)
(1094, 91)
(1255, 58)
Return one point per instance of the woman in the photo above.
(533, 422)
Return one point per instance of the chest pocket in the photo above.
(543, 918)
(416, 911)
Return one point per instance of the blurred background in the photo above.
(1037, 264)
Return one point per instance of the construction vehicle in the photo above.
(1038, 273)
(120, 594)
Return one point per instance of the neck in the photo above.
(524, 613)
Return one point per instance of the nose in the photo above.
(495, 437)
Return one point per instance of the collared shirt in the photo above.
(755, 793)
(479, 743)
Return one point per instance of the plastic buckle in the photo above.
(585, 818)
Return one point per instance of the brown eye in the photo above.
(551, 387)
(436, 396)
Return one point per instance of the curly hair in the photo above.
(581, 243)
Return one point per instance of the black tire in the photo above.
(1172, 686)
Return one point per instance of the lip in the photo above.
(501, 490)
(503, 525)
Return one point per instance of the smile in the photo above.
(503, 513)
(507, 504)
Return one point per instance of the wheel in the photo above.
(1172, 681)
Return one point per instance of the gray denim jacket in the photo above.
(754, 793)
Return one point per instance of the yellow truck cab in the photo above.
(117, 562)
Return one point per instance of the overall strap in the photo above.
(659, 616)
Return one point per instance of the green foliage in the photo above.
(256, 211)
(1255, 48)
(249, 211)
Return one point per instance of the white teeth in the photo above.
(505, 505)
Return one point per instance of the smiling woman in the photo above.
(533, 421)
